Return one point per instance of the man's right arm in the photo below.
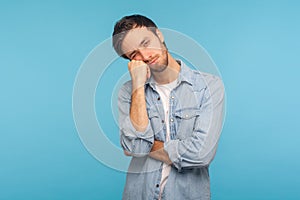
(139, 73)
(136, 132)
(138, 110)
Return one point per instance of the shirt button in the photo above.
(172, 119)
(186, 115)
(157, 185)
(172, 97)
(162, 121)
(158, 98)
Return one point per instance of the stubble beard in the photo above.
(160, 67)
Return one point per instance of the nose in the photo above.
(145, 54)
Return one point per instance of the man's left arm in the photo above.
(198, 149)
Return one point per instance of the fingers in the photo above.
(136, 63)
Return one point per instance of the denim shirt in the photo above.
(196, 117)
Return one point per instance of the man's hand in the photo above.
(139, 72)
(158, 152)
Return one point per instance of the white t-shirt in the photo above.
(164, 91)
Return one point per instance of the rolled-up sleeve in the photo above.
(199, 148)
(134, 142)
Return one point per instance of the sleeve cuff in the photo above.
(171, 148)
(131, 132)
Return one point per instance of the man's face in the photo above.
(142, 44)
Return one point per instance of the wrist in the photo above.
(157, 145)
(137, 85)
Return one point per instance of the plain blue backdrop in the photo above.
(255, 45)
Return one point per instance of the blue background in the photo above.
(255, 45)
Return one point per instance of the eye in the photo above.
(146, 43)
(132, 55)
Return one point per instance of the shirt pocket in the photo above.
(156, 122)
(185, 122)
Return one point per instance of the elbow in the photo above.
(196, 161)
(205, 160)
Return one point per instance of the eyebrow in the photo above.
(141, 44)
(143, 41)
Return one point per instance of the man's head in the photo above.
(137, 37)
(127, 23)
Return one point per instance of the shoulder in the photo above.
(212, 80)
(209, 85)
(202, 80)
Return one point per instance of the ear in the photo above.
(160, 35)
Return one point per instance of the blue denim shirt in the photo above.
(196, 115)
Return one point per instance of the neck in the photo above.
(169, 74)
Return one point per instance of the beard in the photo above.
(163, 62)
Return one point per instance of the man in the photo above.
(170, 117)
